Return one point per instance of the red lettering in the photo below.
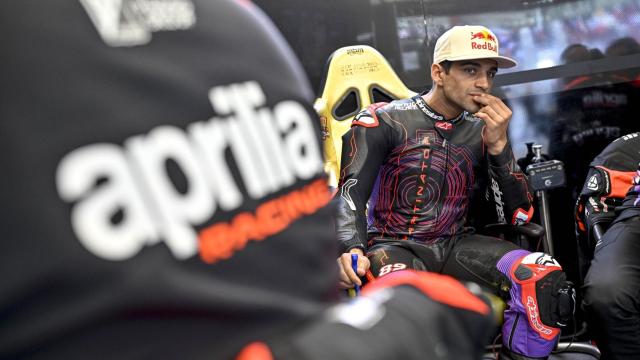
(216, 243)
(244, 225)
(297, 201)
(269, 214)
(426, 153)
(221, 240)
(284, 207)
(484, 46)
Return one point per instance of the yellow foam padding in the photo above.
(353, 68)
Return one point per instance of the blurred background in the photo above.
(535, 33)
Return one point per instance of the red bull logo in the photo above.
(483, 35)
(488, 41)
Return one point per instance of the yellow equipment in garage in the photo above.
(355, 77)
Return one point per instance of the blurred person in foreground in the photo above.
(163, 198)
(419, 162)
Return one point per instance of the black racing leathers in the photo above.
(609, 199)
(420, 172)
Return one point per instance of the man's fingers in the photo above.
(493, 114)
(347, 277)
(503, 107)
(345, 284)
(483, 116)
(484, 99)
(343, 278)
(493, 102)
(363, 265)
(345, 262)
(499, 107)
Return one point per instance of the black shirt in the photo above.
(161, 165)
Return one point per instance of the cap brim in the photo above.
(503, 61)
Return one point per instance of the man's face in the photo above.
(466, 79)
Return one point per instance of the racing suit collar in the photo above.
(431, 113)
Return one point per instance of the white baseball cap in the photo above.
(470, 42)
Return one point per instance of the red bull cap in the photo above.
(470, 42)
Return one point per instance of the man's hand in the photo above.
(496, 116)
(348, 278)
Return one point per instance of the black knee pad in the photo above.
(556, 298)
(555, 295)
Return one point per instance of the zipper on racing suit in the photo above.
(513, 330)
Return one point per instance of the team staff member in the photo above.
(610, 200)
(419, 160)
(162, 197)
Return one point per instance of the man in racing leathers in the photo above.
(417, 161)
(609, 200)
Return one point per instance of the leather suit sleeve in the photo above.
(364, 150)
(603, 192)
(509, 190)
(594, 206)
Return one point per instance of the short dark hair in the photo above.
(623, 46)
(446, 64)
(575, 53)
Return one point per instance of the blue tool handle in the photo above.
(354, 266)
